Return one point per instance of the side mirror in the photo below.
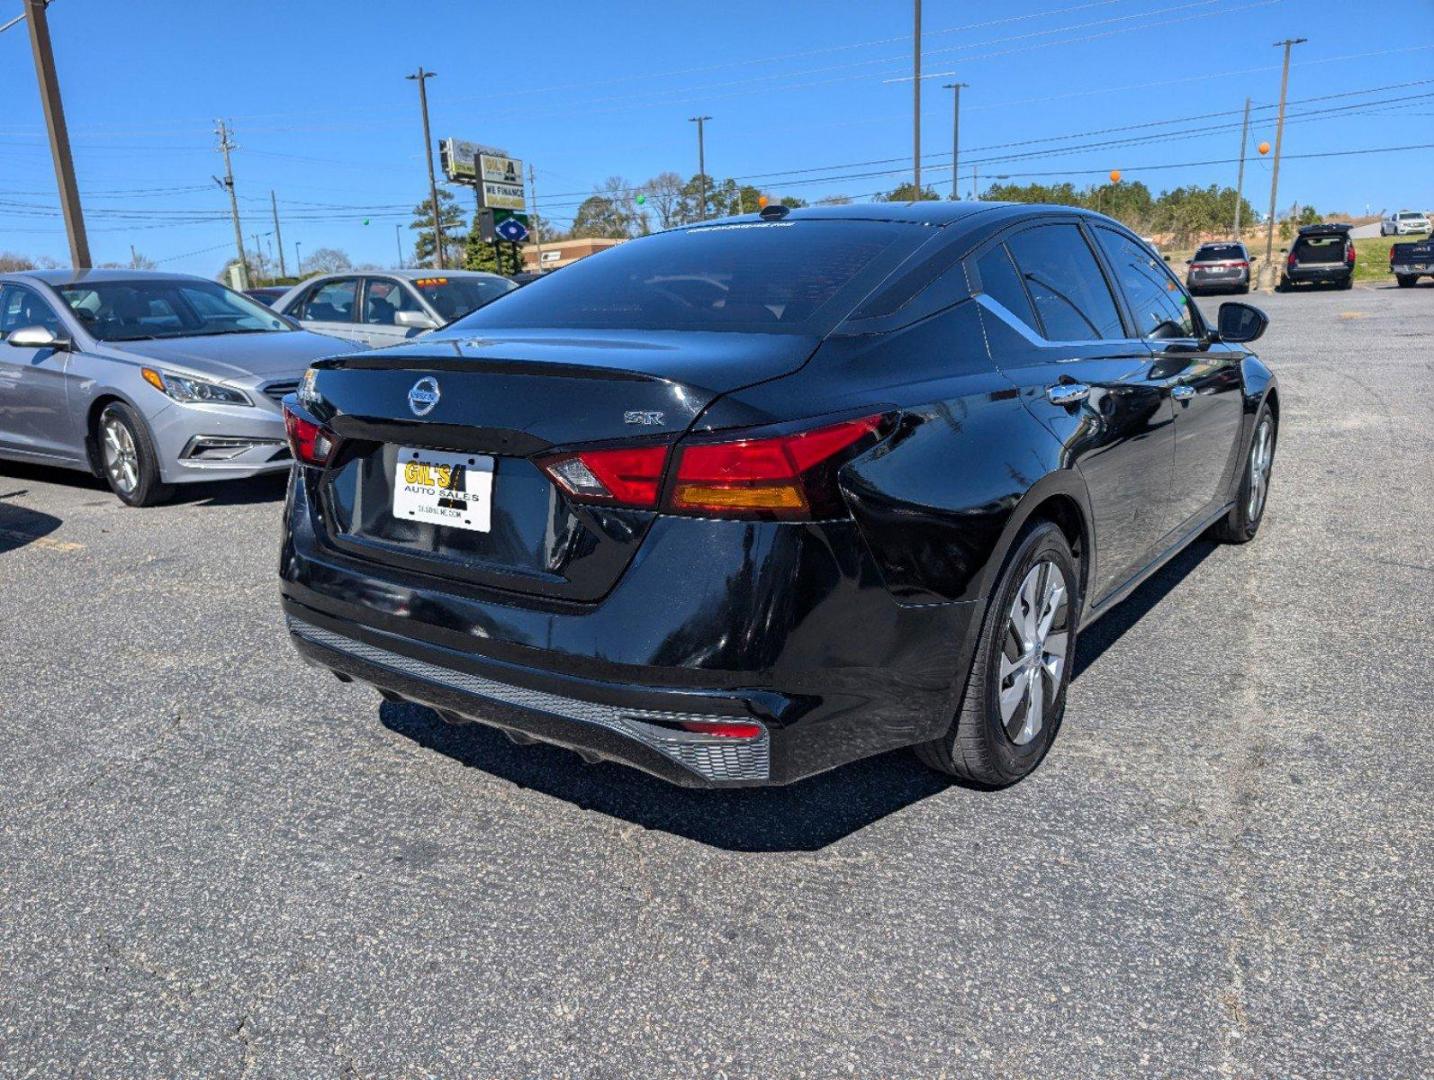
(1240, 323)
(415, 320)
(37, 337)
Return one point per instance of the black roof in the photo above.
(1324, 229)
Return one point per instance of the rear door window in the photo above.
(333, 301)
(1071, 296)
(1157, 303)
(1002, 283)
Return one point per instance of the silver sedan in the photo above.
(146, 379)
(378, 308)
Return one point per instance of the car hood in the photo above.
(233, 356)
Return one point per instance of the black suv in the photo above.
(1322, 254)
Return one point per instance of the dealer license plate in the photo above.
(444, 489)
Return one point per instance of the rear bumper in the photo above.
(1335, 272)
(785, 625)
(1198, 280)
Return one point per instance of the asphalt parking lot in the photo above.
(215, 861)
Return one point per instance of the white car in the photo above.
(387, 307)
(1404, 223)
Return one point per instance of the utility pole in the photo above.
(59, 134)
(298, 260)
(258, 256)
(701, 161)
(537, 222)
(398, 242)
(1240, 177)
(916, 99)
(228, 182)
(975, 184)
(1275, 171)
(955, 133)
(441, 255)
(133, 258)
(278, 236)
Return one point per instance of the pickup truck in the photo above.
(1409, 262)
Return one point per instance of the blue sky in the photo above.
(323, 115)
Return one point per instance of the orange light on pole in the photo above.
(1115, 176)
(1264, 148)
(761, 202)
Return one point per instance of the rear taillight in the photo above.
(625, 476)
(1240, 265)
(785, 476)
(1290, 262)
(1349, 252)
(310, 443)
(1391, 254)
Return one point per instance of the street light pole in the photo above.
(916, 99)
(59, 134)
(1275, 170)
(955, 133)
(422, 77)
(298, 260)
(1240, 177)
(398, 242)
(701, 161)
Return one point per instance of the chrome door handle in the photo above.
(1182, 392)
(1067, 393)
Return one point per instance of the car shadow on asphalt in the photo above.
(19, 525)
(256, 489)
(805, 816)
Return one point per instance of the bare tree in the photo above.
(664, 195)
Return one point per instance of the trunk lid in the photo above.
(511, 398)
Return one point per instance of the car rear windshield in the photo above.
(794, 277)
(1219, 252)
(140, 310)
(455, 297)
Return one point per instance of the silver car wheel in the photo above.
(121, 457)
(1262, 458)
(1034, 654)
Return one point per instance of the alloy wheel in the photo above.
(1034, 653)
(121, 456)
(1262, 458)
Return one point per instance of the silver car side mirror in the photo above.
(36, 337)
(414, 320)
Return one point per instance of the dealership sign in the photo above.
(497, 177)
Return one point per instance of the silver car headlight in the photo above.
(194, 391)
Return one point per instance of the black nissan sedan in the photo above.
(742, 501)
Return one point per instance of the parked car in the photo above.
(1404, 223)
(860, 493)
(145, 379)
(266, 294)
(1409, 262)
(388, 307)
(1321, 255)
(1219, 266)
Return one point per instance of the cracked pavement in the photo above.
(215, 861)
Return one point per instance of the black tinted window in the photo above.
(1070, 293)
(1219, 253)
(1001, 282)
(799, 277)
(1158, 304)
(19, 308)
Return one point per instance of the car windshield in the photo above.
(140, 310)
(793, 277)
(454, 297)
(1410, 215)
(1213, 252)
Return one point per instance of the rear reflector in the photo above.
(310, 443)
(626, 476)
(726, 729)
(783, 475)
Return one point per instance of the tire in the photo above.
(1347, 283)
(127, 457)
(1243, 290)
(989, 745)
(1241, 524)
(1406, 281)
(1285, 285)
